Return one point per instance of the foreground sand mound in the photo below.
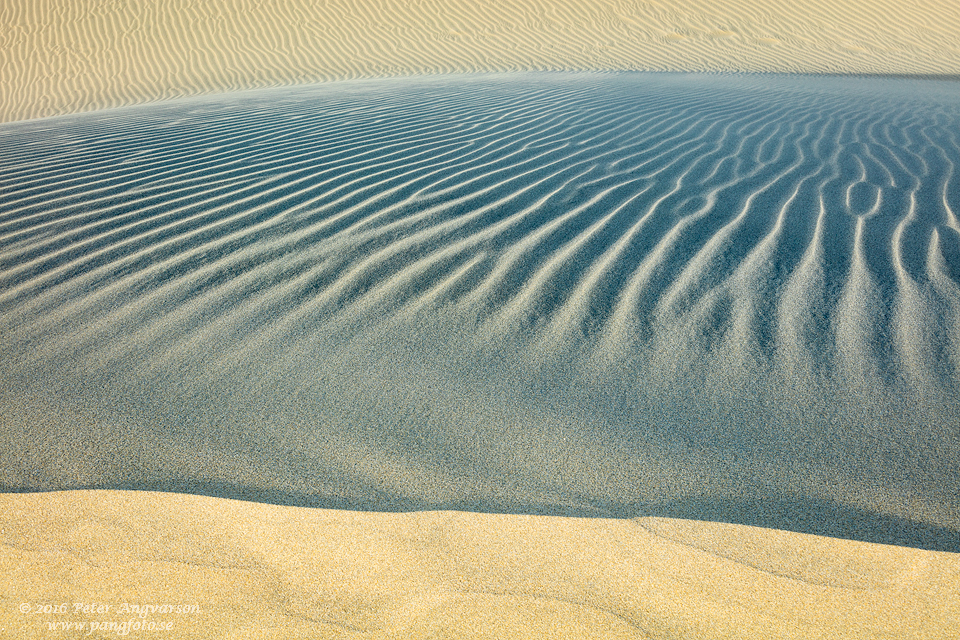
(727, 298)
(243, 570)
(61, 56)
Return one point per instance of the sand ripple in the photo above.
(619, 295)
(63, 56)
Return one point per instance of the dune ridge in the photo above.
(63, 56)
(608, 295)
(264, 571)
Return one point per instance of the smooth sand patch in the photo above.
(62, 56)
(264, 571)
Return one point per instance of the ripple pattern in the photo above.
(63, 56)
(602, 292)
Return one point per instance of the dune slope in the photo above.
(62, 56)
(242, 570)
(727, 298)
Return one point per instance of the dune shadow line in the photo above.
(786, 513)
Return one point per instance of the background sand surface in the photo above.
(263, 571)
(61, 56)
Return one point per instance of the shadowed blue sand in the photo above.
(721, 297)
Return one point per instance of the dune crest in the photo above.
(264, 571)
(63, 56)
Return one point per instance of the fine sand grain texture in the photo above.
(711, 297)
(262, 571)
(61, 56)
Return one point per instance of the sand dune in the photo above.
(658, 302)
(727, 298)
(263, 571)
(62, 56)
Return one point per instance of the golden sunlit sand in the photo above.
(62, 56)
(264, 571)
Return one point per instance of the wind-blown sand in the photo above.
(61, 56)
(721, 298)
(262, 571)
(571, 294)
(633, 298)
